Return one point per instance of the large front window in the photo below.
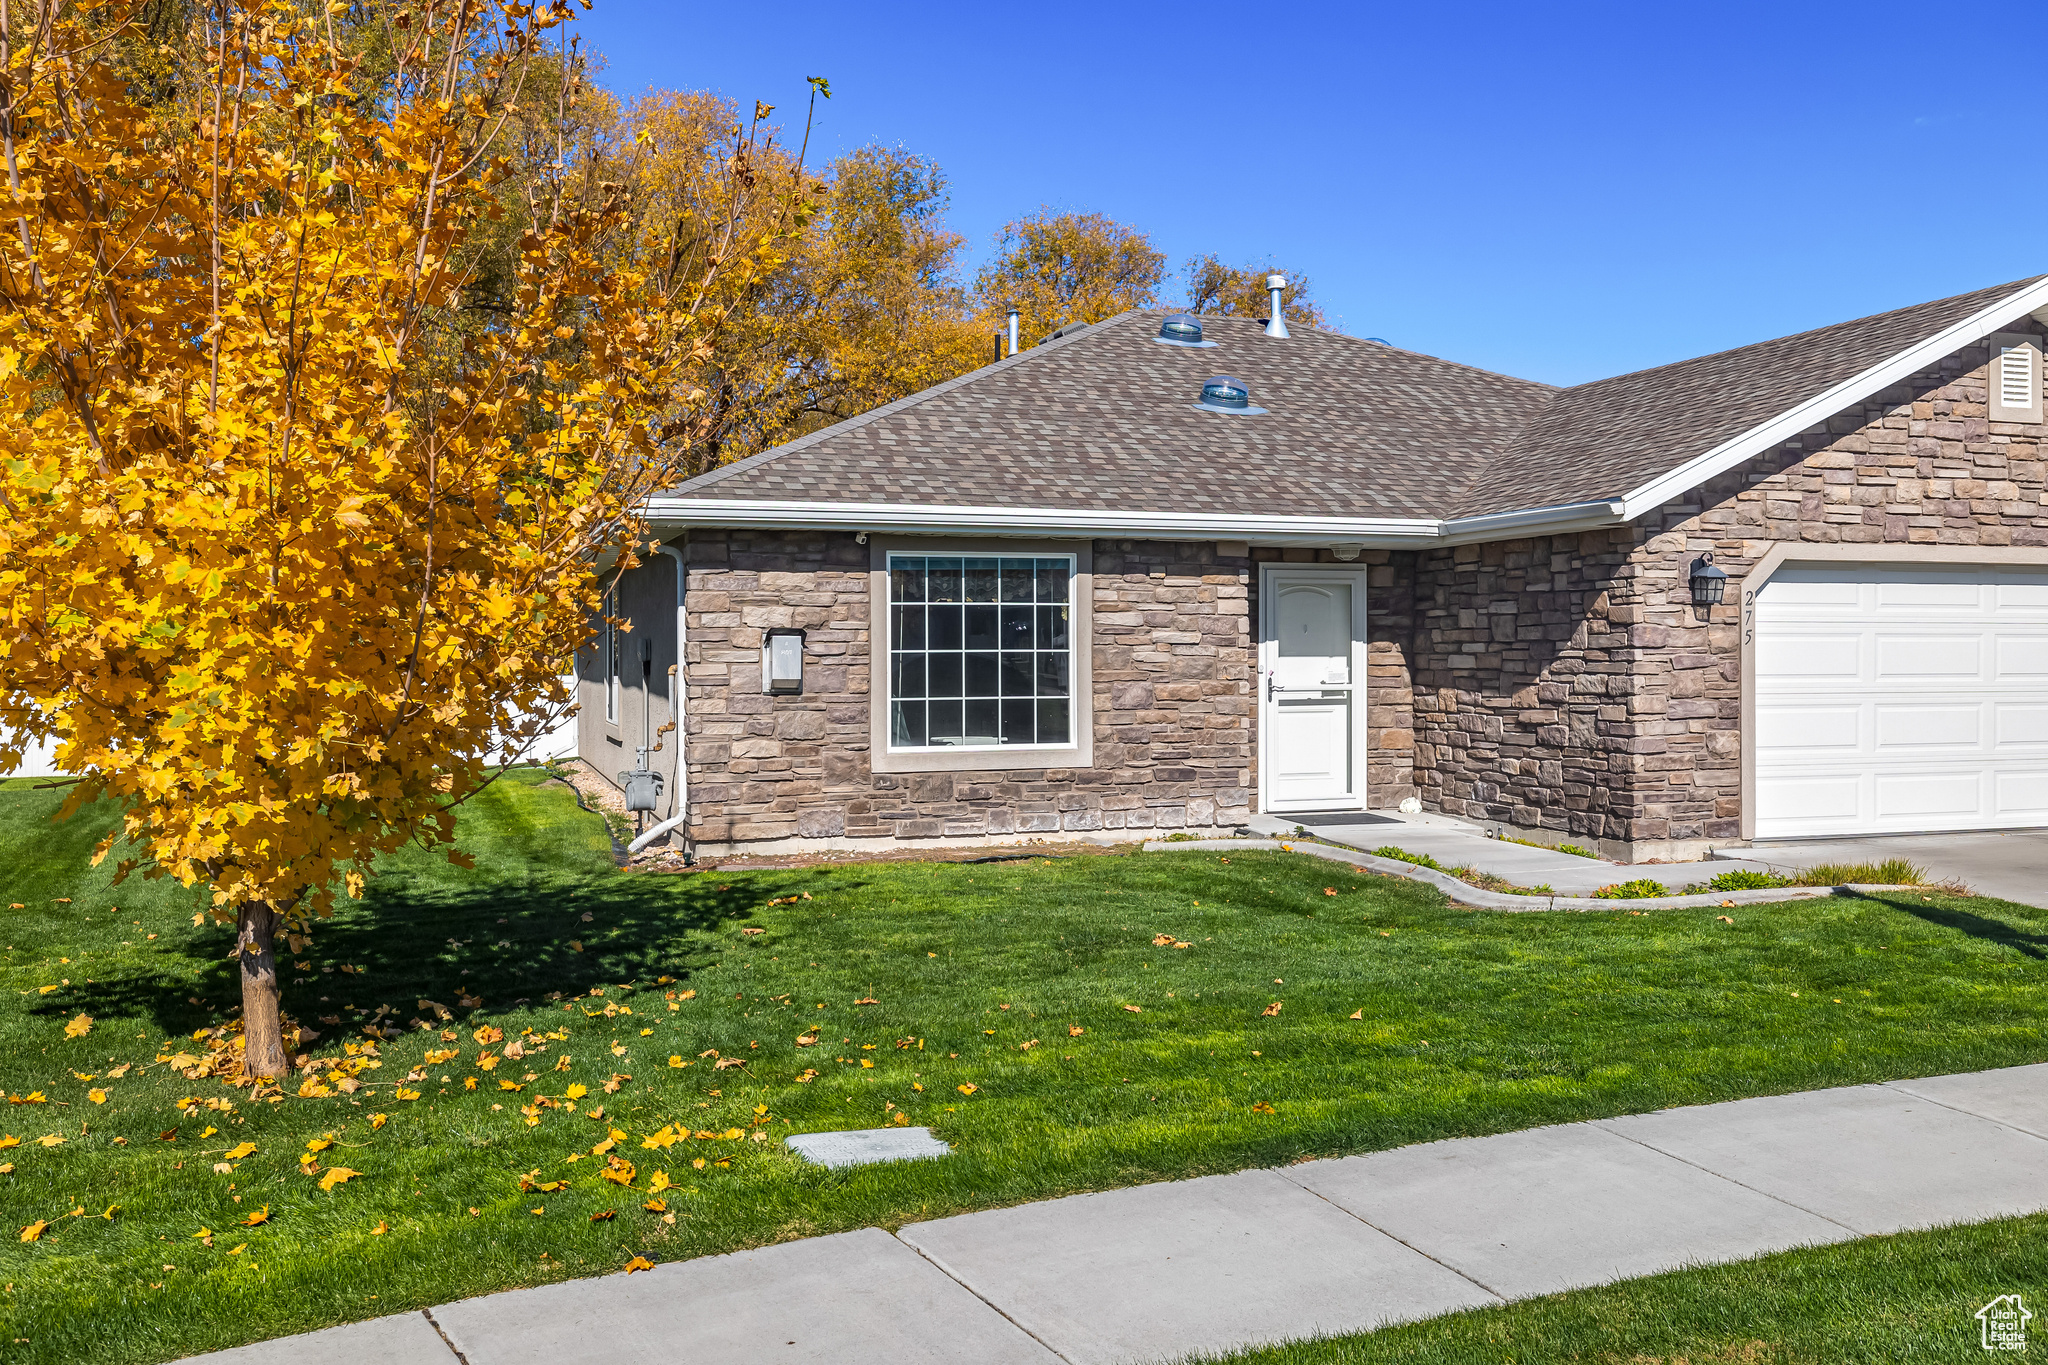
(980, 650)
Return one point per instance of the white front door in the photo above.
(1900, 700)
(1311, 686)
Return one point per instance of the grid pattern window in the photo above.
(980, 651)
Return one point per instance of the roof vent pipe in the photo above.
(1013, 331)
(1276, 326)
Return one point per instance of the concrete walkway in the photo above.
(1459, 843)
(1162, 1271)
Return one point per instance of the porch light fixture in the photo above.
(1709, 585)
(1228, 394)
(1182, 330)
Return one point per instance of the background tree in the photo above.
(301, 501)
(862, 309)
(1240, 291)
(1057, 268)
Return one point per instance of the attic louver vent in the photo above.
(2016, 377)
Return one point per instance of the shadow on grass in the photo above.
(1976, 926)
(507, 942)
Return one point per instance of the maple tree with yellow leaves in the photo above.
(296, 546)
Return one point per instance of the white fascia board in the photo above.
(1822, 406)
(1533, 521)
(881, 518)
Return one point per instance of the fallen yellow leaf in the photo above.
(379, 1120)
(968, 1089)
(78, 1027)
(96, 1096)
(257, 1218)
(51, 1141)
(336, 1175)
(638, 1263)
(240, 1150)
(34, 1231)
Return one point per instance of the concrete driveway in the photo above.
(2012, 866)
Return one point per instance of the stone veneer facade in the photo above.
(1562, 685)
(1171, 693)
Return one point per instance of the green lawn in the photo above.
(979, 973)
(1909, 1298)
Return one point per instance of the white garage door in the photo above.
(1900, 700)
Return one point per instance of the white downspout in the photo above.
(681, 808)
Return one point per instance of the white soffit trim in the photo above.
(881, 518)
(887, 518)
(1822, 406)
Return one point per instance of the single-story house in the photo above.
(1159, 574)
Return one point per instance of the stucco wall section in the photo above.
(1564, 685)
(1171, 701)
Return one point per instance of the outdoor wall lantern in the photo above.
(1709, 585)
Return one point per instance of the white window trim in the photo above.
(611, 655)
(982, 758)
(2004, 344)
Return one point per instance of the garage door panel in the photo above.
(2021, 725)
(1808, 728)
(1929, 728)
(1794, 591)
(1804, 800)
(1909, 657)
(1908, 594)
(2022, 657)
(1915, 796)
(2021, 597)
(1893, 700)
(2022, 796)
(1792, 655)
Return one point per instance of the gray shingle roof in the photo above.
(1103, 420)
(1610, 436)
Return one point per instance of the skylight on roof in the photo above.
(1182, 330)
(1229, 395)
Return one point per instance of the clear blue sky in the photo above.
(1558, 192)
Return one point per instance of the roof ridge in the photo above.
(910, 400)
(2003, 290)
(1383, 345)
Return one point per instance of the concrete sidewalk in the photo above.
(1161, 1271)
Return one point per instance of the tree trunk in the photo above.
(262, 1026)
